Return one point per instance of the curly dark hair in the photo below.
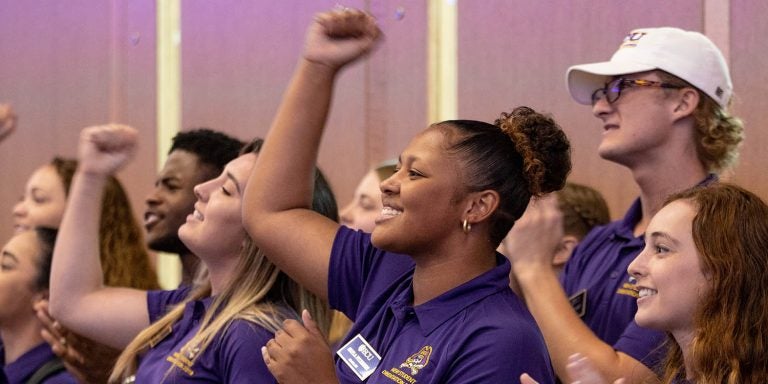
(213, 148)
(523, 154)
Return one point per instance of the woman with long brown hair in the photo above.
(702, 278)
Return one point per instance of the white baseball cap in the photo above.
(688, 55)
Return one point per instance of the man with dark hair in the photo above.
(195, 156)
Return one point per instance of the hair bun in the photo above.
(544, 147)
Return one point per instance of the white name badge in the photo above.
(360, 357)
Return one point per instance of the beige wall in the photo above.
(70, 64)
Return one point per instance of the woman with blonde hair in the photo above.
(207, 332)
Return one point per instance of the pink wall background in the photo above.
(70, 64)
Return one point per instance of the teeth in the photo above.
(646, 292)
(390, 212)
(198, 215)
(150, 218)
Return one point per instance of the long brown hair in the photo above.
(124, 261)
(730, 345)
(124, 256)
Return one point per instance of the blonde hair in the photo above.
(718, 133)
(259, 293)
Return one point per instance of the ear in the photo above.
(481, 205)
(686, 102)
(564, 250)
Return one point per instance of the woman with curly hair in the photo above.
(427, 291)
(121, 245)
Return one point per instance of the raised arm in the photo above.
(279, 192)
(564, 332)
(79, 299)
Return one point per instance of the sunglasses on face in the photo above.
(612, 89)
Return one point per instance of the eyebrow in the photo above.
(11, 256)
(663, 235)
(234, 180)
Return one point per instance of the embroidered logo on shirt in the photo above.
(629, 288)
(414, 363)
(418, 360)
(184, 359)
(359, 356)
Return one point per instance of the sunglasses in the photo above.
(612, 90)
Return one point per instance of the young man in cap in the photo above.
(662, 101)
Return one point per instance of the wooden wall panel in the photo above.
(749, 67)
(67, 65)
(238, 58)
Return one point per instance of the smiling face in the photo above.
(173, 199)
(669, 277)
(365, 207)
(18, 272)
(426, 178)
(215, 229)
(43, 202)
(638, 122)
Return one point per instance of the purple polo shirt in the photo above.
(599, 267)
(478, 332)
(21, 370)
(233, 357)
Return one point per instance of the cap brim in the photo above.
(583, 79)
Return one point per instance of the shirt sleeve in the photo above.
(642, 344)
(359, 269)
(240, 354)
(159, 302)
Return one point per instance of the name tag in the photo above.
(360, 357)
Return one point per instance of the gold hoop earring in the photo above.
(466, 226)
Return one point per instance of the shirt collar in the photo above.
(20, 370)
(435, 312)
(626, 227)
